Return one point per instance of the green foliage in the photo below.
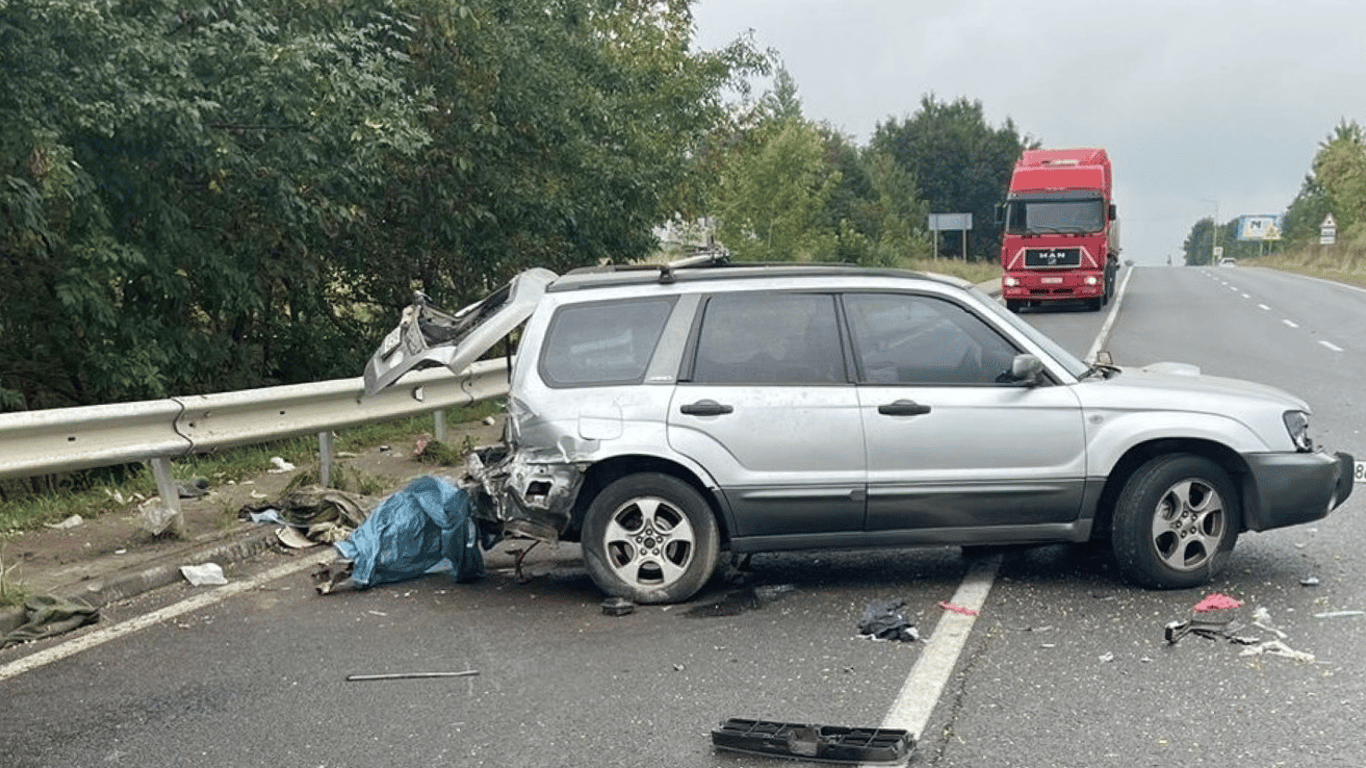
(960, 164)
(219, 196)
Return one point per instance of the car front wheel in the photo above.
(650, 538)
(1176, 521)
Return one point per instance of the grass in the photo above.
(12, 592)
(93, 492)
(1343, 263)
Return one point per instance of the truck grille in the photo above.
(1045, 258)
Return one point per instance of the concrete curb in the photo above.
(131, 582)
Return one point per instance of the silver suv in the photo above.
(661, 415)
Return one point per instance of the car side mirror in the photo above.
(1026, 369)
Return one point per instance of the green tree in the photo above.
(772, 192)
(960, 163)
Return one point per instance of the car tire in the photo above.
(1014, 306)
(650, 538)
(1176, 521)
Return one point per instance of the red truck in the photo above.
(1061, 238)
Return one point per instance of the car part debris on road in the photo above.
(410, 675)
(204, 575)
(886, 620)
(824, 743)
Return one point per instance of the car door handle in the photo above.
(706, 408)
(903, 408)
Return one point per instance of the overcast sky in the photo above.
(1199, 104)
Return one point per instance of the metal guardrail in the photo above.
(155, 431)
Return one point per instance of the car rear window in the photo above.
(603, 342)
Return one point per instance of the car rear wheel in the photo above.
(1176, 521)
(650, 538)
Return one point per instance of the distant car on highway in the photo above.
(660, 415)
(1228, 261)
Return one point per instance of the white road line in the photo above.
(1264, 307)
(1291, 323)
(921, 691)
(1330, 345)
(99, 637)
(1109, 319)
(1247, 296)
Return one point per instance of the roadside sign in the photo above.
(1218, 251)
(1258, 227)
(1328, 231)
(1328, 222)
(940, 222)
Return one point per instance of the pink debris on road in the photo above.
(1217, 602)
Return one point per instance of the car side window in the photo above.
(910, 339)
(604, 342)
(769, 338)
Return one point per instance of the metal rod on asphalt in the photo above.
(411, 675)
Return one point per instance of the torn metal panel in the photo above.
(527, 498)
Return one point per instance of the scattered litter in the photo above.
(49, 616)
(116, 496)
(959, 609)
(1261, 619)
(292, 538)
(155, 517)
(618, 606)
(1277, 648)
(270, 515)
(420, 444)
(257, 495)
(70, 522)
(825, 743)
(377, 613)
(279, 465)
(886, 620)
(411, 675)
(1107, 657)
(1216, 602)
(1309, 581)
(1338, 614)
(489, 421)
(205, 574)
(425, 528)
(120, 551)
(193, 488)
(384, 449)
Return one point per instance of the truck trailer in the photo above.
(1061, 232)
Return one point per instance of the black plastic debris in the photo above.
(618, 606)
(826, 743)
(886, 620)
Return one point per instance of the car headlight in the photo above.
(1297, 423)
(1011, 282)
(1092, 281)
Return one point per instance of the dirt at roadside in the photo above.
(117, 531)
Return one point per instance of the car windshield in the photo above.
(1040, 216)
(1054, 350)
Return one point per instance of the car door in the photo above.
(951, 442)
(766, 405)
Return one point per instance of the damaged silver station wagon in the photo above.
(661, 415)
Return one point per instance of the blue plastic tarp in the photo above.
(427, 527)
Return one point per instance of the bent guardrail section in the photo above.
(155, 431)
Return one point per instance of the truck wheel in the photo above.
(1014, 306)
(650, 538)
(1176, 521)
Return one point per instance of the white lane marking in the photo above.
(1109, 319)
(101, 636)
(1291, 323)
(1247, 296)
(1264, 307)
(1330, 345)
(923, 687)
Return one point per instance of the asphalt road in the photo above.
(1066, 665)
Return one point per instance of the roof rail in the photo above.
(712, 257)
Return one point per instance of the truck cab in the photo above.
(1061, 230)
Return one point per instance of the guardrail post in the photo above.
(325, 458)
(440, 428)
(170, 495)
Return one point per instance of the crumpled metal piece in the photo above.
(886, 620)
